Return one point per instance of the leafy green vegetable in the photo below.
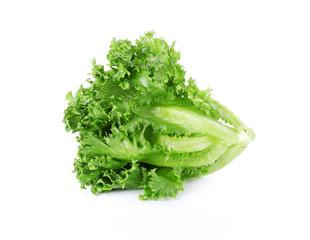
(142, 127)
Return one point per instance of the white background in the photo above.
(254, 54)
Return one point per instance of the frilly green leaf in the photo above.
(141, 126)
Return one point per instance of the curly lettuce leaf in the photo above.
(141, 125)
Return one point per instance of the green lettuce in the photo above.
(141, 125)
